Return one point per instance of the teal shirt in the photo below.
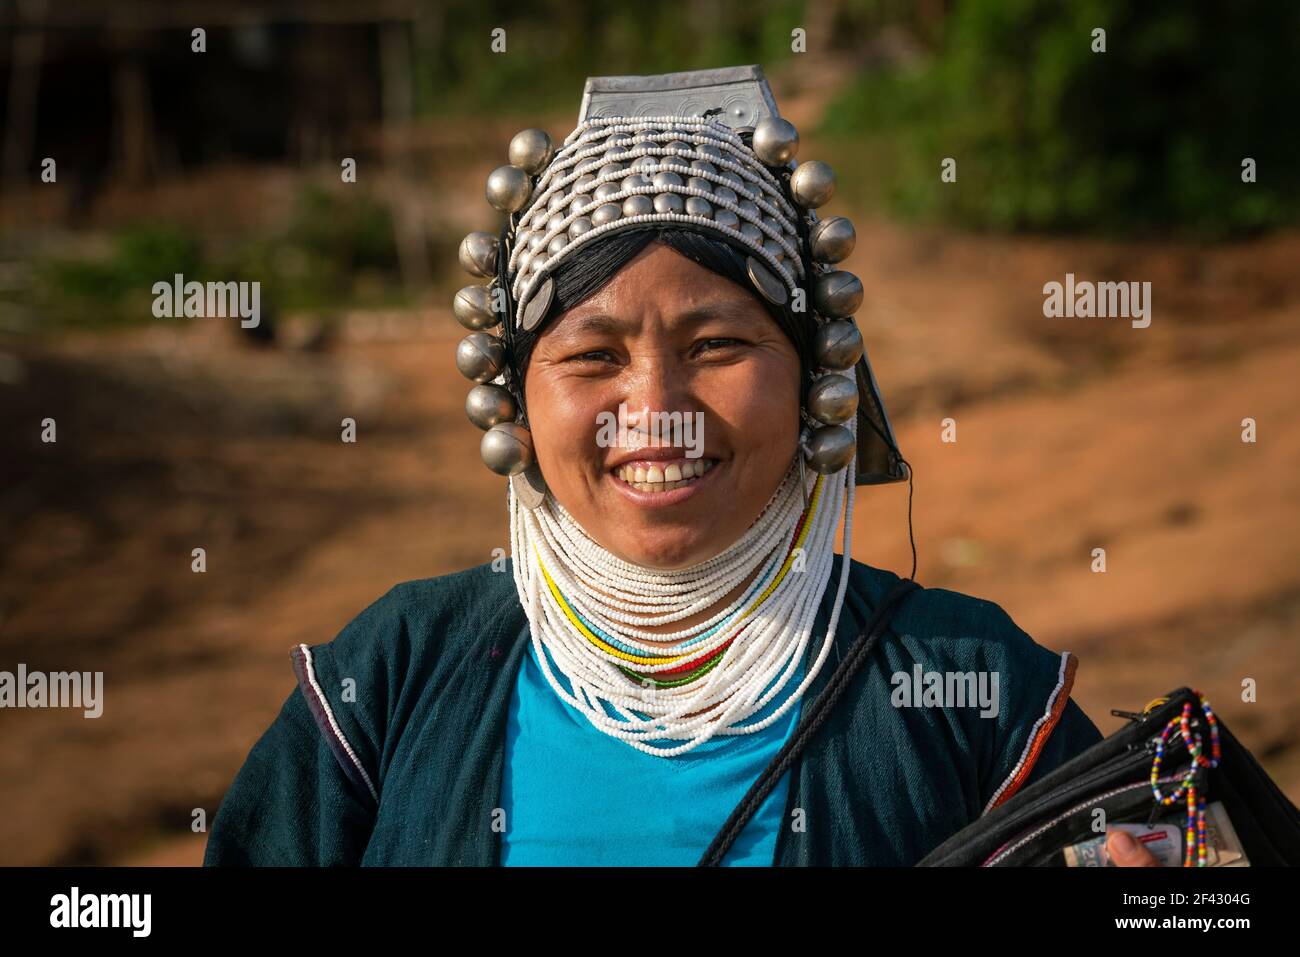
(573, 795)
(391, 750)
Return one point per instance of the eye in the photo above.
(717, 344)
(596, 355)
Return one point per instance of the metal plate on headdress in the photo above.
(737, 96)
(773, 289)
(529, 486)
(538, 305)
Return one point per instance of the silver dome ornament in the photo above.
(508, 188)
(837, 294)
(833, 399)
(489, 405)
(832, 240)
(669, 203)
(775, 141)
(812, 184)
(473, 308)
(478, 254)
(507, 448)
(837, 344)
(480, 356)
(531, 150)
(699, 206)
(638, 205)
(608, 213)
(832, 448)
(725, 217)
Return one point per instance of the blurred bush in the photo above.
(1149, 135)
(115, 289)
(337, 250)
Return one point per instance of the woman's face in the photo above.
(665, 335)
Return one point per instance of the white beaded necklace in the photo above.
(614, 597)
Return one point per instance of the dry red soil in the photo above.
(1071, 435)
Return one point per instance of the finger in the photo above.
(1126, 852)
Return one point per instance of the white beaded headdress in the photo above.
(701, 150)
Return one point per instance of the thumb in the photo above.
(1127, 852)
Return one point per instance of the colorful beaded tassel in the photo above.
(1190, 784)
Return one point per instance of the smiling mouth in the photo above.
(663, 476)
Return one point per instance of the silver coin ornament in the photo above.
(832, 447)
(833, 399)
(538, 305)
(530, 486)
(508, 188)
(489, 405)
(837, 294)
(831, 240)
(771, 288)
(531, 150)
(507, 448)
(775, 141)
(478, 254)
(473, 308)
(480, 356)
(812, 184)
(838, 344)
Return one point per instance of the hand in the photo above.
(1124, 851)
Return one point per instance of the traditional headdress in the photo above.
(704, 150)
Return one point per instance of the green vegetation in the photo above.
(336, 251)
(1147, 136)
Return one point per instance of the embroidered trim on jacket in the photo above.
(1039, 734)
(305, 669)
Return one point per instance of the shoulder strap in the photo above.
(814, 717)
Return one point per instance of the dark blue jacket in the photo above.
(391, 748)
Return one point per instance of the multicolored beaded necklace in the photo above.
(695, 668)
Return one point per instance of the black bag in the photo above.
(1036, 826)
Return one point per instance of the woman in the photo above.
(681, 401)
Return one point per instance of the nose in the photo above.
(654, 381)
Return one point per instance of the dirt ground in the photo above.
(1072, 434)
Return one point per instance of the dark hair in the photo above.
(588, 269)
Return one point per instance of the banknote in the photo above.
(1165, 840)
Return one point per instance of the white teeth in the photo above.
(653, 479)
